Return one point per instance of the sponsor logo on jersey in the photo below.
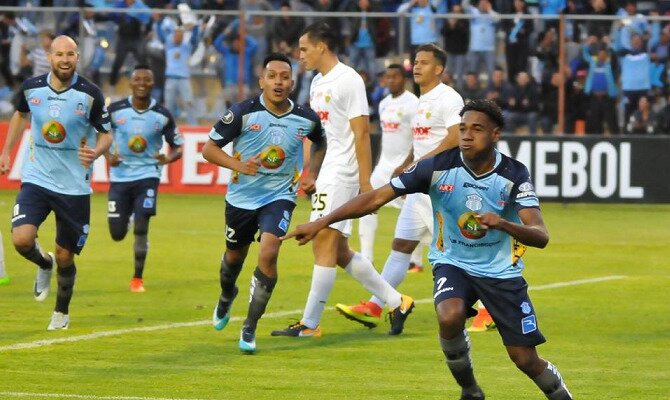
(255, 127)
(53, 132)
(120, 121)
(470, 227)
(272, 157)
(35, 101)
(390, 126)
(54, 98)
(137, 144)
(528, 324)
(323, 115)
(420, 132)
(474, 186)
(446, 187)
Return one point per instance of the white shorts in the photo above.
(380, 177)
(329, 197)
(415, 221)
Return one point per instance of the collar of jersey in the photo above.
(260, 98)
(477, 177)
(434, 93)
(74, 79)
(152, 103)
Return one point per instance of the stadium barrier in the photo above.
(563, 168)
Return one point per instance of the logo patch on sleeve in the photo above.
(228, 117)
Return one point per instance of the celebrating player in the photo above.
(434, 123)
(337, 94)
(63, 108)
(267, 132)
(485, 214)
(140, 125)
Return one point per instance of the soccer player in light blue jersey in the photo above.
(140, 125)
(485, 214)
(267, 133)
(64, 109)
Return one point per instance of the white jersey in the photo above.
(438, 110)
(338, 97)
(395, 115)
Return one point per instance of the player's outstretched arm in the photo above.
(214, 154)
(360, 205)
(532, 231)
(17, 124)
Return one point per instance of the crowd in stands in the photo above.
(615, 74)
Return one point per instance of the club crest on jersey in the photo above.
(80, 109)
(428, 114)
(53, 132)
(54, 110)
(137, 144)
(469, 226)
(473, 202)
(228, 117)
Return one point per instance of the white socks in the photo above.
(362, 270)
(394, 272)
(367, 228)
(323, 279)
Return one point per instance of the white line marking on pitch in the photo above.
(83, 396)
(279, 314)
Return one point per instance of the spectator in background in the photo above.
(229, 44)
(286, 29)
(635, 72)
(546, 53)
(179, 46)
(456, 33)
(631, 23)
(7, 31)
(523, 105)
(361, 41)
(576, 104)
(552, 8)
(257, 27)
(498, 88)
(662, 120)
(517, 40)
(326, 6)
(598, 27)
(130, 35)
(422, 23)
(641, 121)
(37, 59)
(470, 88)
(549, 89)
(482, 48)
(601, 89)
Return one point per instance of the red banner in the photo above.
(191, 174)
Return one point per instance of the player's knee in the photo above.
(235, 257)
(450, 319)
(404, 245)
(64, 257)
(118, 231)
(22, 243)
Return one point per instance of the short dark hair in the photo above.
(439, 54)
(277, 57)
(322, 32)
(488, 107)
(398, 67)
(142, 66)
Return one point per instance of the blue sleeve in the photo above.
(317, 135)
(195, 36)
(228, 127)
(21, 101)
(218, 44)
(523, 192)
(99, 117)
(416, 178)
(160, 31)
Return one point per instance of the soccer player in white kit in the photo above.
(395, 114)
(337, 95)
(434, 128)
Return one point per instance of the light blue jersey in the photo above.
(277, 139)
(59, 122)
(138, 137)
(457, 196)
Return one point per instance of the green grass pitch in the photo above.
(610, 339)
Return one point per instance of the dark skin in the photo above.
(478, 135)
(276, 83)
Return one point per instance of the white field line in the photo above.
(81, 396)
(279, 314)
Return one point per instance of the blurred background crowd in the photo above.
(554, 66)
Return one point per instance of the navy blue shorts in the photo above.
(242, 224)
(506, 300)
(73, 213)
(126, 198)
